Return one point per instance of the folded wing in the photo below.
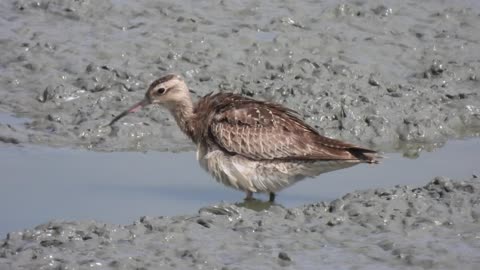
(264, 131)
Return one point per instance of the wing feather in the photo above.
(266, 131)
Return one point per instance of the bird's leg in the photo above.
(271, 197)
(249, 196)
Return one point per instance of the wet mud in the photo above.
(391, 75)
(432, 227)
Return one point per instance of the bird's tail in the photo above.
(367, 155)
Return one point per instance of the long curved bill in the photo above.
(134, 108)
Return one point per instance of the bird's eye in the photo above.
(161, 91)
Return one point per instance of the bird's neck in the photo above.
(183, 114)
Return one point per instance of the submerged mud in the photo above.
(432, 227)
(401, 73)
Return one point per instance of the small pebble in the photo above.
(284, 256)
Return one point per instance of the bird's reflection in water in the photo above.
(256, 205)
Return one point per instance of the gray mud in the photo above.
(432, 227)
(383, 74)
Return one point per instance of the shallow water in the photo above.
(39, 183)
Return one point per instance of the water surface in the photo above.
(39, 183)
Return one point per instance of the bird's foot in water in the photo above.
(249, 196)
(271, 197)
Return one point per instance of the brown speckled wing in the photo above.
(260, 130)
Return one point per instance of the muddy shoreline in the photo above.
(432, 227)
(392, 77)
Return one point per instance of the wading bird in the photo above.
(250, 145)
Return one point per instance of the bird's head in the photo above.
(168, 91)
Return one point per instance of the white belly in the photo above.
(221, 167)
(261, 176)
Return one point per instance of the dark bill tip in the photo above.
(134, 108)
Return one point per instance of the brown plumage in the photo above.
(251, 145)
